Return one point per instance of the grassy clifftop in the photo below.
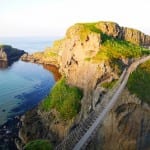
(65, 99)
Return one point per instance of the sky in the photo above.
(53, 17)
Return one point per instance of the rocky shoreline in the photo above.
(9, 134)
(38, 59)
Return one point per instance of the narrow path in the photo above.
(80, 137)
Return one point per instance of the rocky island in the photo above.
(92, 58)
(9, 54)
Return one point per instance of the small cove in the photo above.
(22, 86)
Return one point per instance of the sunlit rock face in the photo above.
(132, 35)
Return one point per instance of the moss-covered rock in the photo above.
(38, 145)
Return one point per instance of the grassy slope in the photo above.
(139, 82)
(63, 98)
(111, 49)
(117, 49)
(38, 145)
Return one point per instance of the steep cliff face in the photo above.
(76, 48)
(7, 53)
(124, 33)
(127, 126)
(75, 60)
(90, 53)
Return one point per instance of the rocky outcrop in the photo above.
(40, 58)
(127, 126)
(43, 125)
(124, 33)
(135, 36)
(48, 57)
(7, 53)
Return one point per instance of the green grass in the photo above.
(65, 99)
(109, 85)
(116, 49)
(92, 27)
(82, 30)
(38, 145)
(139, 82)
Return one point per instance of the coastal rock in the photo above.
(7, 53)
(28, 58)
(109, 28)
(44, 127)
(72, 54)
(132, 35)
(135, 36)
(48, 57)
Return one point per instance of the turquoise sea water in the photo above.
(23, 84)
